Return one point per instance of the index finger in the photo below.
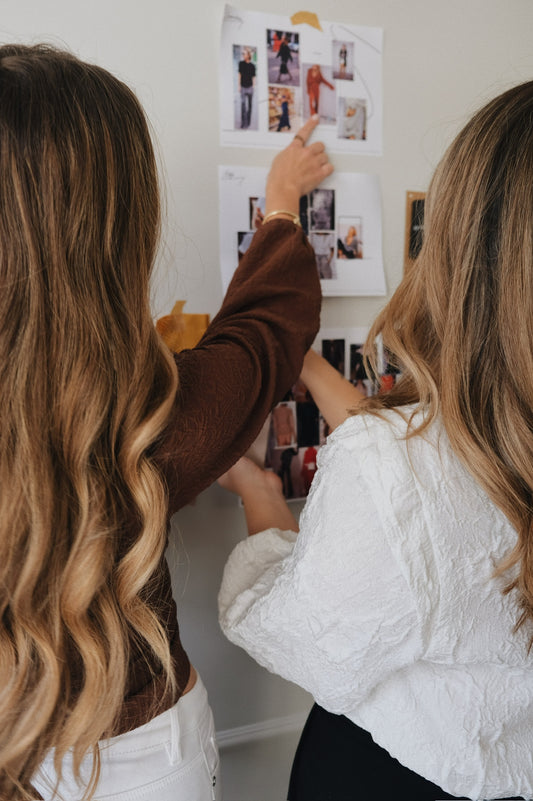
(307, 129)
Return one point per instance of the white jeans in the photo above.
(174, 757)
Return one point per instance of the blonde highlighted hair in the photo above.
(460, 325)
(85, 389)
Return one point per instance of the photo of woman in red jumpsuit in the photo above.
(314, 79)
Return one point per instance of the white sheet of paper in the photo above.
(349, 96)
(343, 202)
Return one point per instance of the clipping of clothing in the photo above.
(384, 607)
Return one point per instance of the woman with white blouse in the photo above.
(404, 605)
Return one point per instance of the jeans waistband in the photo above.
(184, 716)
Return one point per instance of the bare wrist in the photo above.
(282, 199)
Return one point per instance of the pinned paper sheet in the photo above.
(276, 72)
(180, 331)
(306, 18)
(342, 219)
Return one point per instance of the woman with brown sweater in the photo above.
(104, 434)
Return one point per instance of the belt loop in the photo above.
(174, 753)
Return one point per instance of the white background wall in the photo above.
(441, 61)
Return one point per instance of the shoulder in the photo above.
(366, 451)
(365, 469)
(389, 422)
(374, 435)
(397, 464)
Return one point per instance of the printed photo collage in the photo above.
(341, 218)
(297, 89)
(331, 238)
(295, 430)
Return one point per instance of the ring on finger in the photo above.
(297, 136)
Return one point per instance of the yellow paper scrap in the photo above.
(179, 330)
(306, 18)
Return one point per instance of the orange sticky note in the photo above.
(306, 18)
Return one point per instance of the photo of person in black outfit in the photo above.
(244, 58)
(283, 49)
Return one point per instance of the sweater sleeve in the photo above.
(247, 360)
(328, 609)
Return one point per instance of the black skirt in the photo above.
(338, 761)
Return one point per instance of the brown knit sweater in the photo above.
(249, 357)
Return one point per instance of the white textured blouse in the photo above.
(384, 607)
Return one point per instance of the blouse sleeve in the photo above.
(247, 360)
(329, 608)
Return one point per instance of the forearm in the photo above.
(275, 293)
(265, 507)
(250, 355)
(262, 496)
(332, 393)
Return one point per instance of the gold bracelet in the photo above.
(295, 218)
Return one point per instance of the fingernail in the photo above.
(315, 117)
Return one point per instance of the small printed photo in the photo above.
(386, 382)
(416, 227)
(343, 60)
(283, 108)
(244, 240)
(352, 118)
(391, 373)
(246, 116)
(294, 463)
(287, 464)
(307, 422)
(323, 243)
(283, 53)
(321, 93)
(358, 375)
(284, 425)
(350, 238)
(322, 210)
(257, 212)
(307, 458)
(333, 351)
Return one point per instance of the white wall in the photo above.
(441, 61)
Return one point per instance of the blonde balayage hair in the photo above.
(85, 389)
(460, 324)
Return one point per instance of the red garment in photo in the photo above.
(314, 79)
(386, 383)
(308, 467)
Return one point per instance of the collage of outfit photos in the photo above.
(296, 90)
(341, 219)
(297, 430)
(331, 238)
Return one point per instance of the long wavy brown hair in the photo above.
(460, 324)
(85, 390)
